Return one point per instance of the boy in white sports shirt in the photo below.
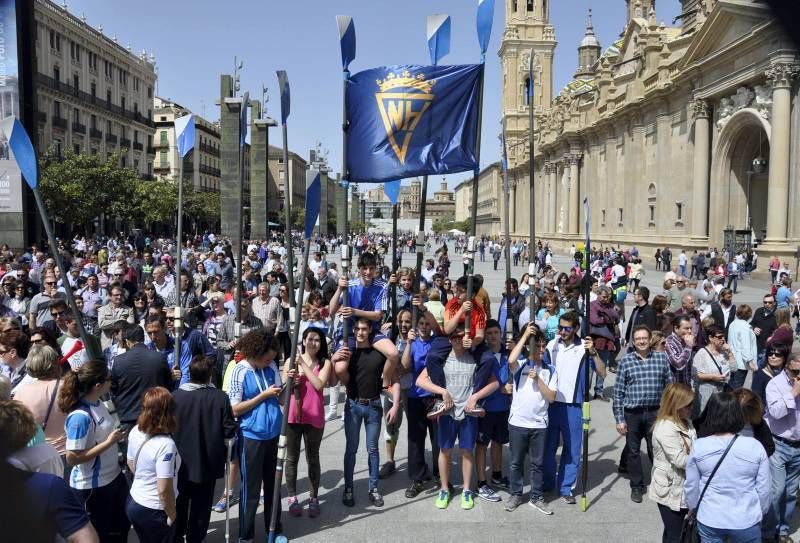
(534, 387)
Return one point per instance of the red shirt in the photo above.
(477, 321)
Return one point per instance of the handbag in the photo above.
(725, 386)
(689, 528)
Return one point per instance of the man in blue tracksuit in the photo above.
(254, 389)
(566, 354)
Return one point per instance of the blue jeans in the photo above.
(606, 357)
(528, 441)
(723, 535)
(785, 467)
(683, 270)
(371, 414)
(565, 423)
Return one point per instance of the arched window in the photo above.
(529, 6)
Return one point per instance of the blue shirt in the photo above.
(419, 352)
(497, 401)
(739, 493)
(371, 298)
(782, 297)
(263, 422)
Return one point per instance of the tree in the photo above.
(377, 213)
(298, 217)
(156, 202)
(79, 187)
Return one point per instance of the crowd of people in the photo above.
(119, 428)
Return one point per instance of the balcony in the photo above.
(111, 138)
(125, 142)
(206, 148)
(161, 143)
(79, 128)
(147, 177)
(151, 150)
(59, 122)
(161, 166)
(95, 133)
(41, 116)
(209, 170)
(137, 146)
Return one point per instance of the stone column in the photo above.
(230, 203)
(512, 208)
(781, 75)
(553, 200)
(700, 113)
(563, 199)
(574, 193)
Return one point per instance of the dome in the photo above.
(590, 40)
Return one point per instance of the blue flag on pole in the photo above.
(243, 118)
(438, 36)
(392, 190)
(313, 196)
(184, 133)
(484, 24)
(283, 85)
(347, 39)
(21, 147)
(411, 120)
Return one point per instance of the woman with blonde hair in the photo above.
(783, 336)
(673, 435)
(40, 395)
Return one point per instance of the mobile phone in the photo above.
(123, 427)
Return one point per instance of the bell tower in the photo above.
(527, 29)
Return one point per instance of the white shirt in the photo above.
(682, 259)
(566, 359)
(159, 459)
(528, 406)
(86, 427)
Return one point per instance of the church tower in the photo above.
(527, 28)
(588, 52)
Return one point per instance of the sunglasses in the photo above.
(792, 372)
(56, 314)
(565, 328)
(774, 353)
(49, 283)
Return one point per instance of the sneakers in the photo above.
(501, 481)
(437, 409)
(443, 499)
(569, 499)
(414, 490)
(485, 492)
(467, 502)
(313, 507)
(540, 505)
(375, 498)
(386, 470)
(331, 415)
(513, 502)
(295, 509)
(347, 497)
(636, 495)
(223, 504)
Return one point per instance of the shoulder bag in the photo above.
(689, 529)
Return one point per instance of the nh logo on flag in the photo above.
(402, 101)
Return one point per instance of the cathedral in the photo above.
(683, 135)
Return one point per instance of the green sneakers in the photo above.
(443, 499)
(467, 501)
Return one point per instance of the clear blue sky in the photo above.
(196, 40)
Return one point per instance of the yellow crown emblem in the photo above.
(405, 80)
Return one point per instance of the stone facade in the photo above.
(667, 134)
(490, 201)
(94, 95)
(233, 193)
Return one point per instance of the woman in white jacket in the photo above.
(742, 341)
(673, 436)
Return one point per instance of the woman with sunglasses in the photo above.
(91, 449)
(712, 366)
(673, 435)
(18, 301)
(139, 308)
(775, 360)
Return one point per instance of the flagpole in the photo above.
(178, 322)
(532, 217)
(586, 416)
(239, 225)
(51, 239)
(420, 244)
(288, 217)
(485, 16)
(394, 263)
(506, 214)
(347, 45)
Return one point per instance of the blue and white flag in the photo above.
(184, 134)
(243, 118)
(530, 79)
(484, 24)
(313, 197)
(409, 120)
(347, 39)
(20, 144)
(392, 190)
(438, 36)
(283, 85)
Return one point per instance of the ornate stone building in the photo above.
(675, 133)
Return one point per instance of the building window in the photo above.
(93, 89)
(620, 216)
(108, 96)
(94, 122)
(52, 39)
(77, 149)
(679, 209)
(149, 92)
(164, 140)
(76, 115)
(56, 74)
(108, 127)
(652, 213)
(603, 217)
(163, 159)
(280, 174)
(527, 97)
(122, 103)
(76, 82)
(529, 6)
(56, 109)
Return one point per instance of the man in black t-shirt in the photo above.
(361, 371)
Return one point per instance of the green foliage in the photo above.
(298, 217)
(377, 213)
(156, 202)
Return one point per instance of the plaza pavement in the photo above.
(611, 515)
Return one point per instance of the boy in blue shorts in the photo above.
(460, 367)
